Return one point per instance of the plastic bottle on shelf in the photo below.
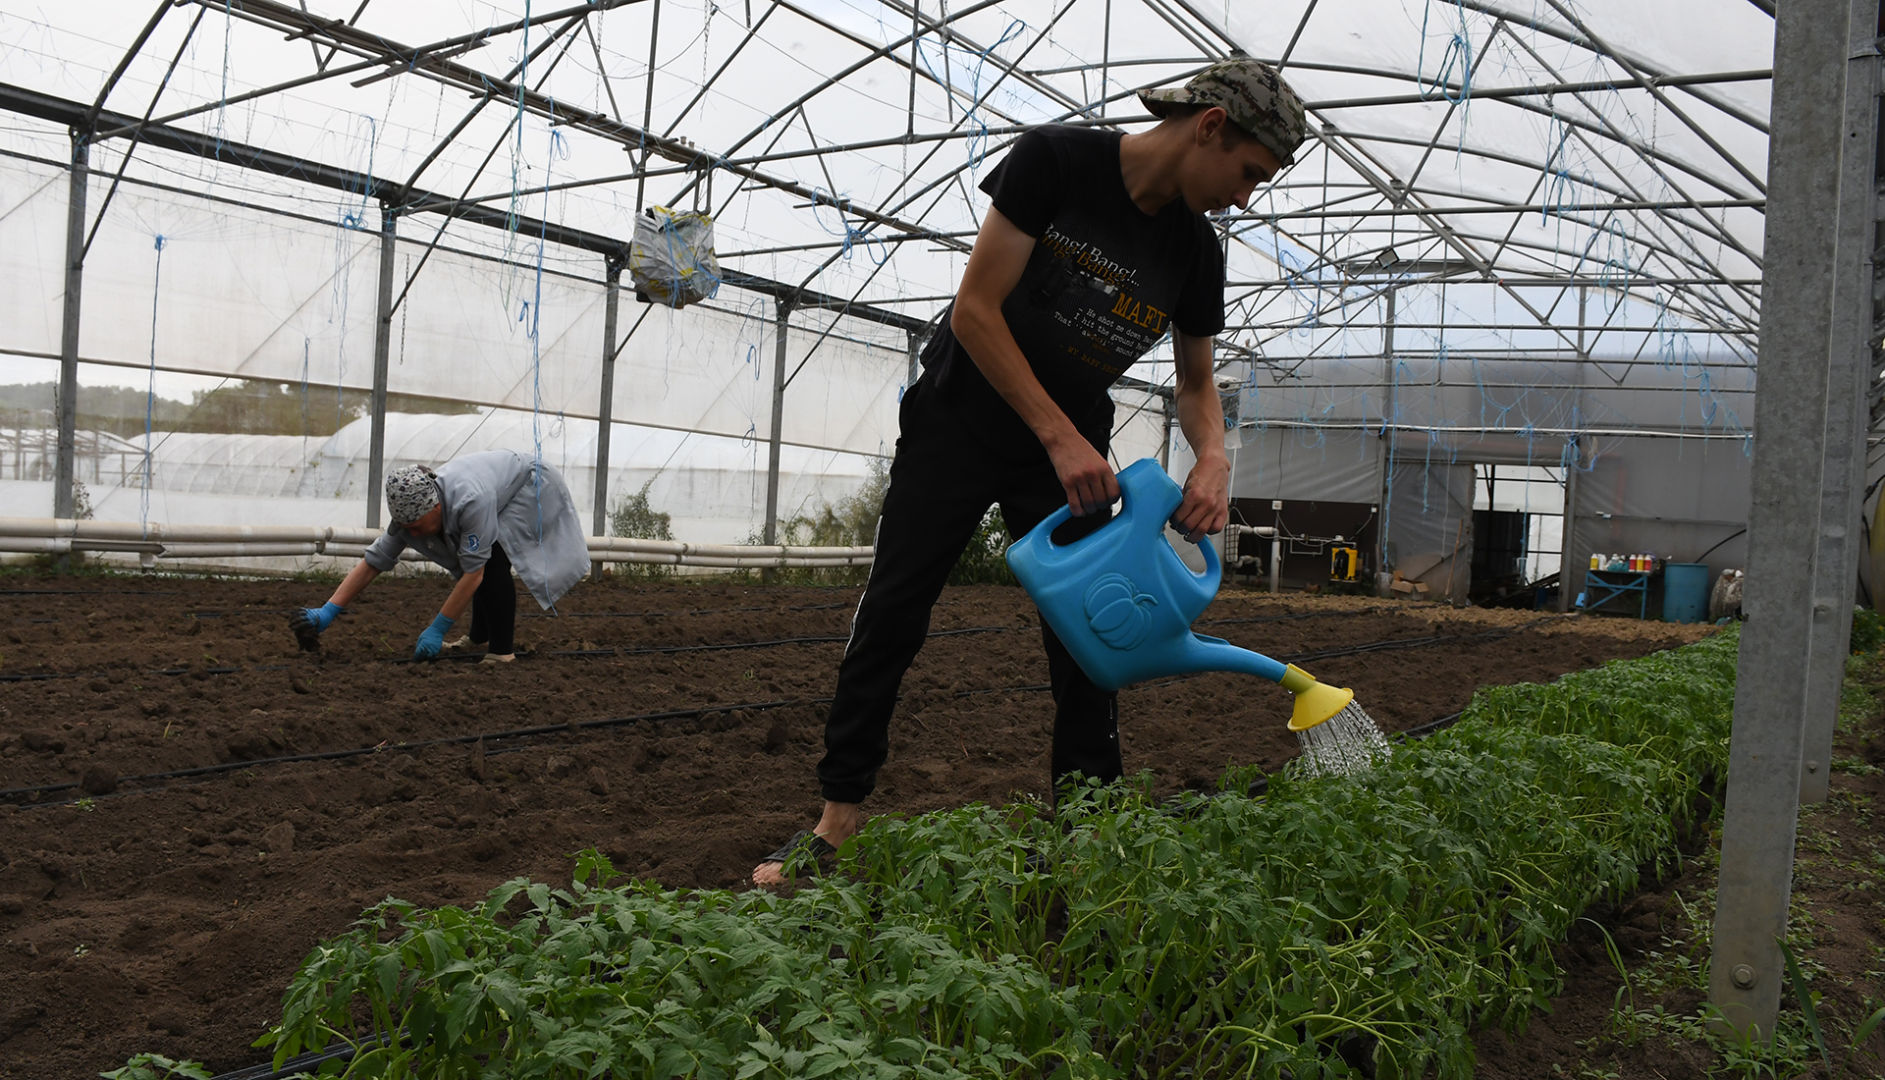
(1596, 561)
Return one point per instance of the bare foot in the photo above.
(839, 822)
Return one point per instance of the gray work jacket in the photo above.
(500, 497)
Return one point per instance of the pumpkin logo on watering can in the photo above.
(1118, 613)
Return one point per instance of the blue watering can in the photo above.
(1123, 602)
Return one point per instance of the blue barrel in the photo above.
(1685, 592)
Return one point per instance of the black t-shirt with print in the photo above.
(1105, 282)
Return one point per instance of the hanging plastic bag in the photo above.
(671, 259)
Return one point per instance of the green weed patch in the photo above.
(1329, 926)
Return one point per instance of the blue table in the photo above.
(1603, 586)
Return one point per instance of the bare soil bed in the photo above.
(191, 804)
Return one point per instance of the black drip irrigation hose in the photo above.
(25, 797)
(472, 657)
(306, 1064)
(85, 592)
(230, 669)
(1291, 617)
(645, 650)
(214, 613)
(158, 780)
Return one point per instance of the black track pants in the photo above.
(941, 484)
(494, 605)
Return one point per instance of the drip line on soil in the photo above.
(113, 593)
(231, 669)
(305, 1064)
(22, 796)
(643, 650)
(158, 779)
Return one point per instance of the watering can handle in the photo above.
(1212, 572)
(1213, 568)
(1051, 522)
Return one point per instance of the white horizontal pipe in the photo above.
(61, 545)
(221, 551)
(724, 551)
(355, 551)
(757, 562)
(159, 532)
(63, 535)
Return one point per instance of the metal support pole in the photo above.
(1842, 479)
(915, 369)
(1566, 542)
(1575, 465)
(1385, 487)
(66, 406)
(778, 418)
(382, 349)
(1169, 414)
(605, 406)
(1789, 512)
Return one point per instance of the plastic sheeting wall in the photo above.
(1325, 432)
(1686, 501)
(225, 293)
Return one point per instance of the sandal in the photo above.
(794, 853)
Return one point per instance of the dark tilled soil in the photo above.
(673, 727)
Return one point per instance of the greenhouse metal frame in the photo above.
(1533, 235)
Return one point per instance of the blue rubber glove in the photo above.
(433, 639)
(322, 617)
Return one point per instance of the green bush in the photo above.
(633, 516)
(1868, 629)
(853, 523)
(984, 561)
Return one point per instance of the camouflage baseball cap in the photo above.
(1253, 94)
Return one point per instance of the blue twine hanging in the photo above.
(355, 218)
(851, 235)
(1457, 56)
(150, 397)
(977, 141)
(306, 350)
(531, 315)
(222, 102)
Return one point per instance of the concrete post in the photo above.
(382, 350)
(66, 405)
(605, 407)
(778, 418)
(1789, 512)
(1567, 542)
(1842, 478)
(1385, 487)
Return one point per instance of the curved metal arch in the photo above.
(1671, 232)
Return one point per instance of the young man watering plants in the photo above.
(1095, 246)
(478, 516)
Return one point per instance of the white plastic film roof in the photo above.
(1539, 178)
